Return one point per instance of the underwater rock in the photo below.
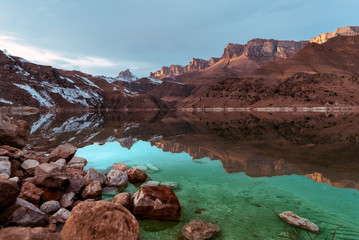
(151, 184)
(293, 219)
(159, 203)
(100, 220)
(199, 230)
(136, 175)
(172, 185)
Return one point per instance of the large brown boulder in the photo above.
(25, 214)
(199, 230)
(65, 151)
(31, 193)
(8, 192)
(100, 220)
(136, 175)
(14, 132)
(159, 203)
(27, 233)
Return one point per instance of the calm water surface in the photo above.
(237, 170)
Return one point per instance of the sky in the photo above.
(106, 37)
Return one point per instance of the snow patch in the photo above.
(43, 101)
(155, 81)
(88, 81)
(6, 101)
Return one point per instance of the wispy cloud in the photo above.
(90, 64)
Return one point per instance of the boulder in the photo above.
(14, 132)
(92, 190)
(29, 164)
(136, 175)
(293, 219)
(27, 233)
(199, 230)
(25, 214)
(8, 192)
(117, 178)
(15, 168)
(61, 163)
(31, 193)
(50, 175)
(67, 200)
(120, 167)
(159, 203)
(65, 151)
(50, 206)
(77, 162)
(94, 175)
(124, 199)
(100, 220)
(5, 165)
(77, 182)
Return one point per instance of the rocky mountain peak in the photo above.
(233, 50)
(127, 75)
(343, 31)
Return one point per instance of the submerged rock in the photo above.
(65, 151)
(159, 203)
(27, 233)
(199, 230)
(100, 220)
(172, 185)
(8, 192)
(293, 219)
(124, 199)
(151, 184)
(136, 175)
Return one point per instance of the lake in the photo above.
(239, 170)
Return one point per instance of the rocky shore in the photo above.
(48, 195)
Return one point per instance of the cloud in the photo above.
(90, 64)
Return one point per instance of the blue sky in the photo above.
(105, 37)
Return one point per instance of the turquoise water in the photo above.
(243, 207)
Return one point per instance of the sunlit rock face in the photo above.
(344, 31)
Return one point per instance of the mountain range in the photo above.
(262, 72)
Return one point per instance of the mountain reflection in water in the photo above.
(323, 147)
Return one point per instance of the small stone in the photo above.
(199, 230)
(4, 176)
(120, 167)
(60, 216)
(151, 183)
(50, 207)
(67, 200)
(92, 190)
(5, 165)
(293, 219)
(141, 167)
(124, 199)
(9, 192)
(14, 179)
(29, 164)
(31, 193)
(77, 162)
(94, 175)
(65, 151)
(136, 175)
(117, 178)
(152, 168)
